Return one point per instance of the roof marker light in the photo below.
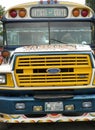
(48, 1)
(1, 59)
(84, 12)
(5, 53)
(55, 1)
(13, 13)
(22, 13)
(76, 12)
(41, 1)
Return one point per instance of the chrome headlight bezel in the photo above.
(3, 79)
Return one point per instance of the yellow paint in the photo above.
(76, 70)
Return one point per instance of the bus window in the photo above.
(27, 33)
(49, 33)
(71, 32)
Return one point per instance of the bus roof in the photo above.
(46, 3)
(40, 6)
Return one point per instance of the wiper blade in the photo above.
(56, 40)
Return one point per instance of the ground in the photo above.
(51, 126)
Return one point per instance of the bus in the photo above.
(47, 63)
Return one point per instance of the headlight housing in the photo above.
(2, 78)
(6, 80)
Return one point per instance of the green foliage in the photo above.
(2, 10)
(91, 3)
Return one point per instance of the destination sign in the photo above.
(49, 12)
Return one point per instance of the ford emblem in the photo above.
(53, 70)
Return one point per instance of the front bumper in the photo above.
(8, 104)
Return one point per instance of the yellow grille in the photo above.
(32, 71)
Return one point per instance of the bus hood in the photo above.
(53, 47)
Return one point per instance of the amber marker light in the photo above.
(1, 59)
(22, 13)
(76, 12)
(48, 1)
(69, 107)
(0, 17)
(5, 53)
(41, 1)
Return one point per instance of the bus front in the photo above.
(47, 65)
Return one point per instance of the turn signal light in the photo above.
(69, 107)
(5, 53)
(76, 12)
(37, 108)
(1, 60)
(0, 17)
(22, 13)
(48, 1)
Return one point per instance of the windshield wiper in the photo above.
(56, 40)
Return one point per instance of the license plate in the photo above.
(53, 106)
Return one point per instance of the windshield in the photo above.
(37, 33)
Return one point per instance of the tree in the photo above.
(91, 3)
(2, 10)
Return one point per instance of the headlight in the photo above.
(6, 80)
(2, 79)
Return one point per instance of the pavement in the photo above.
(50, 126)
